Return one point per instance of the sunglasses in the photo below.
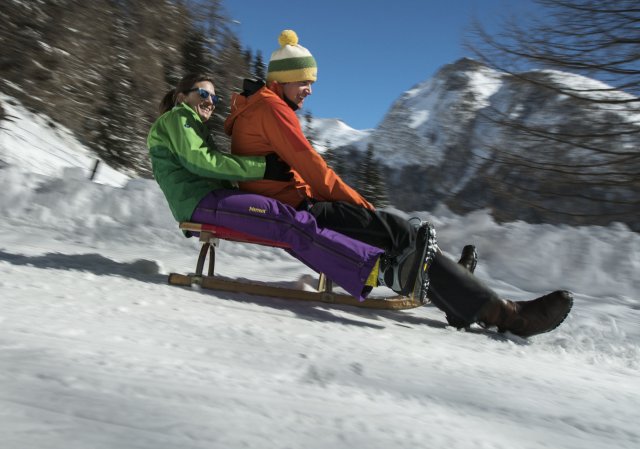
(204, 94)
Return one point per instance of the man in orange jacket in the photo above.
(263, 121)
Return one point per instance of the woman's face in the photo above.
(297, 91)
(195, 98)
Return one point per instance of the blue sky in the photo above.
(368, 51)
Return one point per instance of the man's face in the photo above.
(297, 91)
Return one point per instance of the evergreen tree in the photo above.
(330, 156)
(308, 127)
(117, 134)
(101, 67)
(194, 53)
(247, 56)
(259, 68)
(370, 182)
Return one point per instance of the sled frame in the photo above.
(210, 237)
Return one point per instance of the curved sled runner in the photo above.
(210, 236)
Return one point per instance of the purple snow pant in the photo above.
(345, 261)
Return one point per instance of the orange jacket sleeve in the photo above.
(284, 132)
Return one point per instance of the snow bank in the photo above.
(38, 144)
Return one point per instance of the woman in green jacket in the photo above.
(198, 183)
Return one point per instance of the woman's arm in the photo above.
(185, 137)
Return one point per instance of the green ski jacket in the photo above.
(186, 164)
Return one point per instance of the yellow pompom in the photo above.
(288, 37)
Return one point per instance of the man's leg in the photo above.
(346, 261)
(466, 300)
(381, 229)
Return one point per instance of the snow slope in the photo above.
(38, 144)
(97, 351)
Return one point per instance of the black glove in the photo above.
(277, 169)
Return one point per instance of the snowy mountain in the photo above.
(97, 351)
(331, 133)
(429, 121)
(440, 144)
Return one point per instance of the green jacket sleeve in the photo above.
(186, 136)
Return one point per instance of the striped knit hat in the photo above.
(291, 62)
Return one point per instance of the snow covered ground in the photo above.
(97, 351)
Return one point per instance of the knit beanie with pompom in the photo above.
(291, 62)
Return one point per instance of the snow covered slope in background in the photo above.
(97, 351)
(40, 145)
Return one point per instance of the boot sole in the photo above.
(556, 323)
(569, 307)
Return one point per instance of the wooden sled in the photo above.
(210, 236)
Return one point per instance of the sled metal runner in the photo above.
(211, 235)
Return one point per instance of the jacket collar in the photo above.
(279, 91)
(190, 109)
(250, 87)
(253, 93)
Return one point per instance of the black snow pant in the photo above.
(457, 292)
(386, 231)
(452, 288)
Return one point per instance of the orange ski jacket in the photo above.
(263, 123)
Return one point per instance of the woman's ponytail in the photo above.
(167, 102)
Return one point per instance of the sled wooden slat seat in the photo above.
(210, 235)
(223, 233)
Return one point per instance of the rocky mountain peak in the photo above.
(442, 142)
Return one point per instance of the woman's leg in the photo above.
(346, 261)
(401, 240)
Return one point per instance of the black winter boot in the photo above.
(469, 258)
(527, 318)
(467, 300)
